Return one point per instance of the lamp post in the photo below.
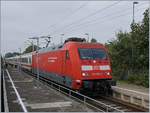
(62, 38)
(133, 10)
(133, 20)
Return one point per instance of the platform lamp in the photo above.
(133, 20)
(62, 35)
(134, 3)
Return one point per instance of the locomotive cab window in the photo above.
(94, 53)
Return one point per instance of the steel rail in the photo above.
(133, 107)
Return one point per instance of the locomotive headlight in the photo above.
(78, 81)
(85, 74)
(108, 73)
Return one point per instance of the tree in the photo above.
(120, 54)
(15, 53)
(9, 54)
(140, 39)
(31, 48)
(93, 40)
(129, 52)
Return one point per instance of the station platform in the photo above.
(131, 93)
(133, 87)
(35, 96)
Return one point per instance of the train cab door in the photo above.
(67, 64)
(67, 67)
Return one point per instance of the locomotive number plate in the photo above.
(96, 67)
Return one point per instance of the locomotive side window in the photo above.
(92, 53)
(67, 54)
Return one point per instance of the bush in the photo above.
(139, 79)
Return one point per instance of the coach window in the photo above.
(26, 60)
(67, 54)
(21, 59)
(30, 60)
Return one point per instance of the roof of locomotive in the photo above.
(59, 46)
(83, 44)
(69, 42)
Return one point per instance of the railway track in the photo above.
(126, 107)
(122, 105)
(101, 103)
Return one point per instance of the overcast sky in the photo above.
(101, 19)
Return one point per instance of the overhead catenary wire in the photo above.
(109, 20)
(102, 21)
(101, 18)
(70, 14)
(88, 16)
(82, 6)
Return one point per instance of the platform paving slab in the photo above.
(134, 87)
(37, 97)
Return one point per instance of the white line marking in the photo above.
(21, 81)
(5, 95)
(130, 90)
(18, 96)
(16, 101)
(49, 105)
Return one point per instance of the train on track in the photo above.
(76, 64)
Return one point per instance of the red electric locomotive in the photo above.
(76, 64)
